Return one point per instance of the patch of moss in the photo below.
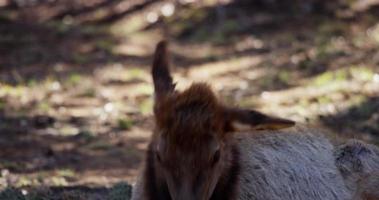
(86, 135)
(14, 91)
(324, 100)
(120, 191)
(88, 92)
(10, 165)
(329, 76)
(44, 106)
(106, 45)
(2, 104)
(93, 29)
(134, 73)
(329, 28)
(185, 20)
(65, 173)
(80, 58)
(74, 79)
(31, 83)
(144, 89)
(359, 73)
(11, 194)
(99, 145)
(59, 27)
(362, 73)
(124, 124)
(146, 106)
(284, 76)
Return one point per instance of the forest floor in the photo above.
(76, 93)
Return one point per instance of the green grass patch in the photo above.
(124, 124)
(3, 104)
(284, 76)
(357, 73)
(31, 83)
(99, 145)
(14, 91)
(44, 106)
(134, 73)
(80, 58)
(68, 130)
(362, 73)
(330, 28)
(65, 173)
(86, 135)
(106, 45)
(88, 92)
(186, 19)
(143, 90)
(4, 164)
(59, 27)
(74, 79)
(146, 106)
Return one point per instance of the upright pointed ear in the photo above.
(241, 119)
(160, 71)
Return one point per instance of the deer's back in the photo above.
(289, 165)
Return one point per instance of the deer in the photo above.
(203, 149)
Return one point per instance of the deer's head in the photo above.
(192, 142)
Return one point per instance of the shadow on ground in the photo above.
(362, 118)
(76, 98)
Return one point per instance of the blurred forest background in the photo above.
(76, 93)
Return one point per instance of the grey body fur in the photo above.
(301, 164)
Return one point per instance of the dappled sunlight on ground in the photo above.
(77, 109)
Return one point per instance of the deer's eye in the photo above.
(216, 157)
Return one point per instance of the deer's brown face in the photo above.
(192, 145)
(190, 173)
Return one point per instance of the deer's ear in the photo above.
(241, 119)
(160, 71)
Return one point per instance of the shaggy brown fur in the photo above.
(187, 118)
(191, 152)
(189, 121)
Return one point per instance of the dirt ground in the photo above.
(76, 93)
